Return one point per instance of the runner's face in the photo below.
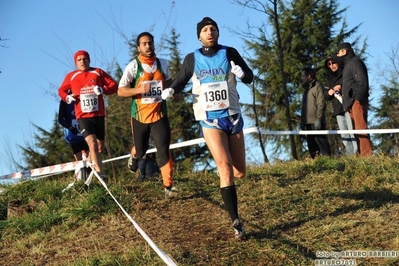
(82, 63)
(146, 47)
(209, 36)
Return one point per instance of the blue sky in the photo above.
(43, 36)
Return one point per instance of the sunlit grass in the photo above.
(291, 211)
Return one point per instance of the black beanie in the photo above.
(204, 22)
(344, 45)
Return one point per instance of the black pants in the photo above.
(160, 134)
(317, 144)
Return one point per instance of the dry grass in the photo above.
(291, 211)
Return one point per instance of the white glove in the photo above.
(69, 99)
(97, 90)
(167, 93)
(237, 70)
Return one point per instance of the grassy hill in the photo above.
(294, 212)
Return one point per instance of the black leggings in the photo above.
(160, 134)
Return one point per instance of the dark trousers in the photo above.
(160, 134)
(317, 144)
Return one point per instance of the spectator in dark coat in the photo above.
(333, 94)
(355, 93)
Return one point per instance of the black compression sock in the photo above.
(229, 196)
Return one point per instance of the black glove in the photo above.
(74, 130)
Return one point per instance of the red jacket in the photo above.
(81, 84)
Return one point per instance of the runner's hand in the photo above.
(69, 99)
(97, 90)
(167, 93)
(237, 70)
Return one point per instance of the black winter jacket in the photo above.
(333, 78)
(355, 81)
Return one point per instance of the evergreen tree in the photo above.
(387, 114)
(302, 36)
(48, 148)
(388, 117)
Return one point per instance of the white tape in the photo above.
(180, 144)
(65, 167)
(159, 251)
(330, 132)
(78, 171)
(89, 178)
(58, 168)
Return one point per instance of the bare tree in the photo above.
(387, 114)
(4, 45)
(293, 34)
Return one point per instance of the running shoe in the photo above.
(133, 164)
(239, 231)
(170, 192)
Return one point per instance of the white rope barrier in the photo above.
(71, 166)
(58, 168)
(330, 132)
(159, 251)
(179, 145)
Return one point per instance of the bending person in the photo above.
(73, 137)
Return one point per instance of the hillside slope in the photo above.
(294, 212)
